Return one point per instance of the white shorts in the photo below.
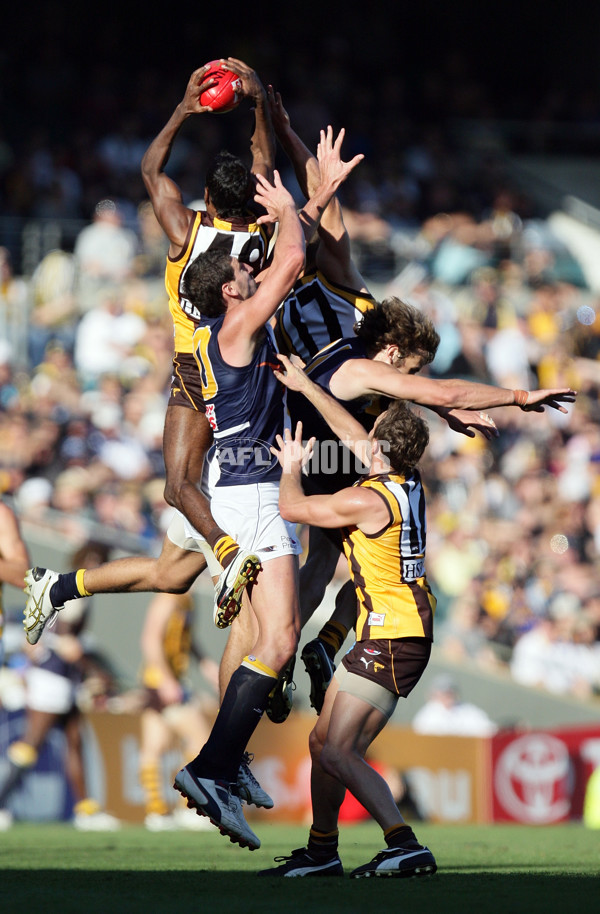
(49, 692)
(250, 515)
(182, 534)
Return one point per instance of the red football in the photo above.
(224, 95)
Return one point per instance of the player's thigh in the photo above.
(187, 437)
(274, 597)
(181, 559)
(156, 734)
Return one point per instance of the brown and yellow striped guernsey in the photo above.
(388, 567)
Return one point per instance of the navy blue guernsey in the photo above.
(332, 466)
(244, 406)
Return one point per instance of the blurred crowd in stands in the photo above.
(513, 547)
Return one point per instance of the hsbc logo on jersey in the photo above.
(245, 457)
(413, 569)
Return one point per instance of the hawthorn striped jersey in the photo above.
(244, 406)
(241, 238)
(318, 312)
(176, 642)
(388, 567)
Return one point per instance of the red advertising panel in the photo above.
(539, 777)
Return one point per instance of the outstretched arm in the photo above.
(333, 172)
(164, 193)
(14, 558)
(362, 377)
(342, 424)
(348, 507)
(262, 142)
(242, 323)
(334, 255)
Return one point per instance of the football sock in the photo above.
(86, 807)
(333, 635)
(150, 779)
(322, 845)
(20, 756)
(68, 587)
(400, 835)
(241, 710)
(223, 546)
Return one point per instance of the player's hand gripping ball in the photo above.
(225, 94)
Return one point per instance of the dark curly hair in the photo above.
(229, 185)
(393, 322)
(403, 436)
(204, 279)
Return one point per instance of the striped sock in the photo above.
(225, 550)
(400, 835)
(150, 779)
(322, 845)
(333, 635)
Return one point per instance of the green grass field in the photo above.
(53, 868)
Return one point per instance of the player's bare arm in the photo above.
(333, 170)
(343, 425)
(362, 377)
(245, 319)
(304, 162)
(164, 193)
(262, 142)
(348, 507)
(334, 256)
(242, 324)
(14, 560)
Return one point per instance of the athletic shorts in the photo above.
(390, 665)
(49, 692)
(153, 701)
(250, 515)
(182, 534)
(186, 389)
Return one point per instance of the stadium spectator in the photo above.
(446, 714)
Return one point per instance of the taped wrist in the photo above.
(521, 397)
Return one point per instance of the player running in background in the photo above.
(54, 673)
(14, 560)
(172, 715)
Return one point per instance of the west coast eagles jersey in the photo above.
(318, 312)
(388, 568)
(244, 406)
(241, 238)
(332, 465)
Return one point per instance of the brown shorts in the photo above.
(395, 664)
(186, 389)
(153, 700)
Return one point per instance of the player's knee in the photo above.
(282, 648)
(172, 491)
(315, 745)
(331, 759)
